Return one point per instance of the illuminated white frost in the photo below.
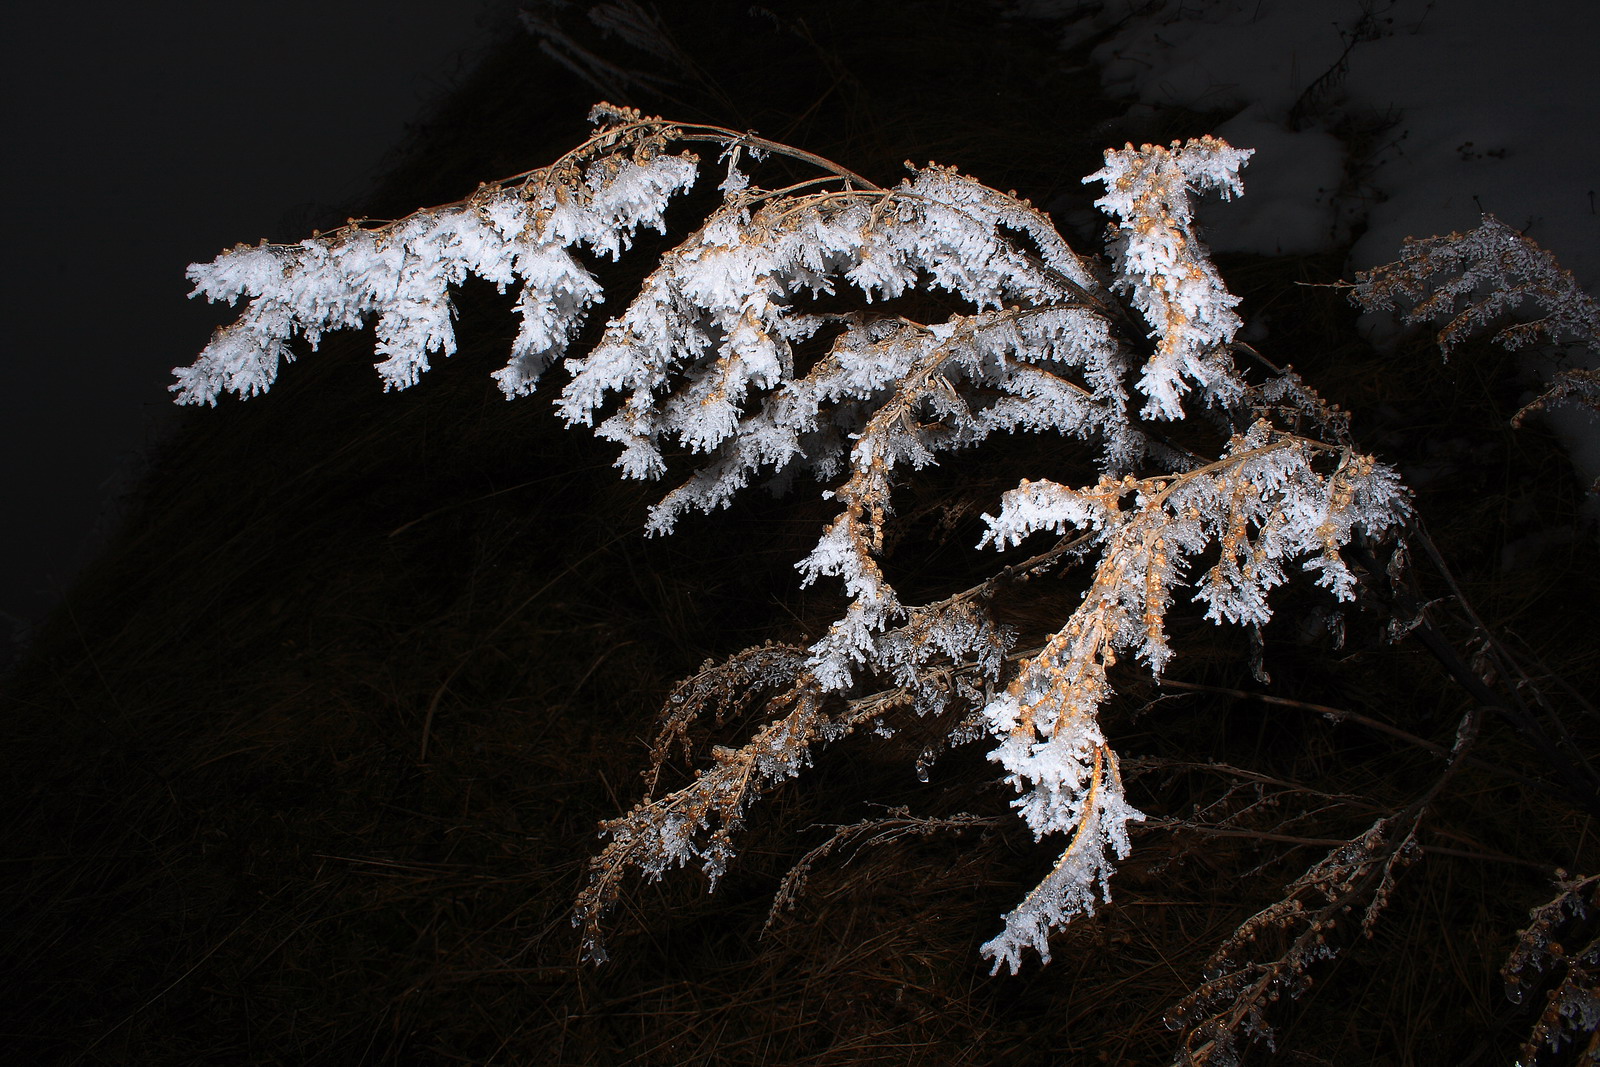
(403, 273)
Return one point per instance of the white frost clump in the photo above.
(719, 311)
(404, 271)
(1163, 267)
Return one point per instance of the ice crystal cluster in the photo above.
(722, 353)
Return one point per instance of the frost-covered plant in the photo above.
(1472, 283)
(1239, 986)
(722, 353)
(1271, 954)
(1556, 944)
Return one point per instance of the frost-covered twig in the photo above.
(1472, 282)
(1559, 942)
(1270, 955)
(1162, 266)
(1573, 385)
(1262, 504)
(895, 826)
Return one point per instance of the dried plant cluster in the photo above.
(784, 337)
(1472, 282)
(1272, 954)
(1560, 946)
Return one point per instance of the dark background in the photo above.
(312, 771)
(140, 138)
